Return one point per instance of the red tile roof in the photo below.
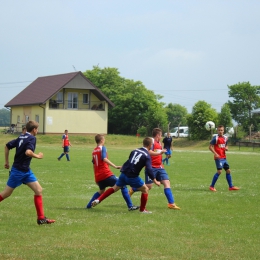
(43, 88)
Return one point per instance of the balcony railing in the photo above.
(66, 104)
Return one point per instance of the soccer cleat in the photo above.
(212, 188)
(58, 159)
(133, 208)
(45, 221)
(131, 192)
(146, 211)
(173, 206)
(234, 188)
(94, 203)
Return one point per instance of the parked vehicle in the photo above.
(182, 132)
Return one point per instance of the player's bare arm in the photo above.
(152, 153)
(211, 148)
(111, 164)
(156, 182)
(6, 158)
(30, 153)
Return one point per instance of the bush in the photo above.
(142, 131)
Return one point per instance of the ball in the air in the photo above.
(209, 125)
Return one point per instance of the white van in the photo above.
(183, 131)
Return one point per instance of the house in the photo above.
(65, 101)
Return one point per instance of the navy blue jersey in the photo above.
(167, 142)
(22, 143)
(138, 158)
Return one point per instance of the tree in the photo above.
(201, 113)
(176, 114)
(225, 117)
(245, 99)
(135, 106)
(4, 117)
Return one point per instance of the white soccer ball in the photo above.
(210, 125)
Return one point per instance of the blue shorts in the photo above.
(159, 173)
(66, 149)
(123, 180)
(222, 163)
(168, 152)
(18, 177)
(108, 182)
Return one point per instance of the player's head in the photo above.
(99, 138)
(24, 129)
(220, 129)
(168, 134)
(147, 142)
(66, 132)
(32, 127)
(157, 133)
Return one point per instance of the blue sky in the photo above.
(184, 50)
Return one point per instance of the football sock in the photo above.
(126, 196)
(214, 180)
(39, 206)
(164, 160)
(167, 160)
(67, 156)
(1, 198)
(61, 156)
(229, 180)
(169, 195)
(144, 198)
(107, 193)
(95, 196)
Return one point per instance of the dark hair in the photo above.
(98, 138)
(31, 125)
(220, 126)
(156, 131)
(147, 141)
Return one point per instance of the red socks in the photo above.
(39, 206)
(107, 193)
(144, 198)
(1, 198)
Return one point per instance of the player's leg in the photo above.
(66, 150)
(219, 166)
(95, 196)
(229, 177)
(33, 184)
(6, 193)
(144, 198)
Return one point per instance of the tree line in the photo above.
(139, 110)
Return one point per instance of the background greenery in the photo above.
(221, 225)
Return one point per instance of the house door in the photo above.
(72, 100)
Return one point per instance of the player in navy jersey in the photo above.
(218, 146)
(167, 144)
(130, 172)
(21, 173)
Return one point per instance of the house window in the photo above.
(26, 119)
(59, 98)
(37, 118)
(85, 99)
(18, 119)
(72, 100)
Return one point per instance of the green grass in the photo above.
(221, 225)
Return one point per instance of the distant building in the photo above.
(65, 101)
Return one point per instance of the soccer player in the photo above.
(158, 170)
(218, 146)
(21, 173)
(167, 141)
(130, 172)
(103, 176)
(65, 145)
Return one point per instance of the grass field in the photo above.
(221, 225)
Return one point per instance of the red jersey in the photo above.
(101, 168)
(66, 141)
(219, 143)
(157, 159)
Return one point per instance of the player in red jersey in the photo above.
(65, 145)
(218, 146)
(158, 169)
(103, 175)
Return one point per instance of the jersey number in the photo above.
(136, 158)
